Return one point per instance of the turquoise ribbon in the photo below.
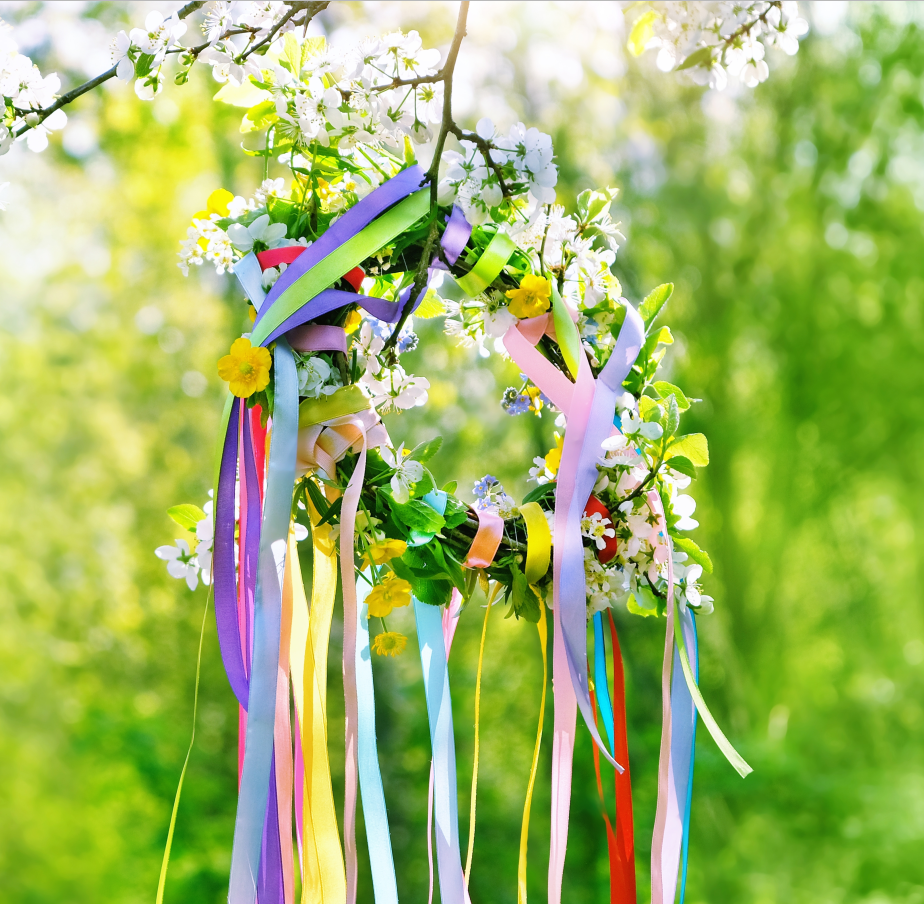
(261, 711)
(439, 712)
(689, 629)
(603, 688)
(375, 815)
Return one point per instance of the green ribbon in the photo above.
(346, 400)
(566, 332)
(732, 755)
(347, 256)
(489, 265)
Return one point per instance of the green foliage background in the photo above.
(789, 218)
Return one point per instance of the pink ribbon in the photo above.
(588, 405)
(487, 539)
(323, 445)
(663, 885)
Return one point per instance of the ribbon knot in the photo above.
(321, 446)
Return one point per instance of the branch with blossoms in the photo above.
(710, 41)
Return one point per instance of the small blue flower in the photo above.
(407, 342)
(485, 486)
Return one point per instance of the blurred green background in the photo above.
(790, 220)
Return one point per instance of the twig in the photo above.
(485, 147)
(446, 126)
(310, 7)
(73, 94)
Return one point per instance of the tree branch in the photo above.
(310, 8)
(446, 126)
(79, 91)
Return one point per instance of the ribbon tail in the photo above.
(258, 758)
(439, 712)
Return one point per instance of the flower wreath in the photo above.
(334, 263)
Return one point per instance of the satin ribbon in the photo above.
(258, 758)
(375, 816)
(314, 337)
(256, 857)
(538, 553)
(433, 658)
(489, 265)
(487, 539)
(323, 875)
(589, 406)
(450, 623)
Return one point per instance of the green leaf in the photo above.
(536, 494)
(642, 32)
(425, 485)
(456, 512)
(426, 451)
(525, 602)
(292, 53)
(650, 410)
(665, 336)
(332, 512)
(700, 556)
(665, 389)
(701, 57)
(451, 487)
(186, 515)
(259, 117)
(672, 420)
(317, 498)
(693, 446)
(683, 464)
(592, 204)
(416, 515)
(654, 301)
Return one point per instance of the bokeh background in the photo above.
(790, 220)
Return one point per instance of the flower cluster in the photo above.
(712, 41)
(490, 496)
(389, 386)
(190, 559)
(23, 92)
(518, 169)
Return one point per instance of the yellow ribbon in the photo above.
(538, 541)
(538, 553)
(323, 872)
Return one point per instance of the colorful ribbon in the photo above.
(589, 406)
(261, 710)
(433, 659)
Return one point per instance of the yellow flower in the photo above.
(535, 400)
(532, 298)
(553, 459)
(392, 593)
(389, 644)
(217, 203)
(384, 551)
(353, 321)
(246, 369)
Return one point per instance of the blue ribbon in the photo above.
(439, 712)
(603, 687)
(375, 815)
(693, 648)
(258, 758)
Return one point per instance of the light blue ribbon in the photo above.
(439, 711)
(693, 648)
(603, 688)
(261, 711)
(683, 735)
(375, 815)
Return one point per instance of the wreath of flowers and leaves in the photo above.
(496, 255)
